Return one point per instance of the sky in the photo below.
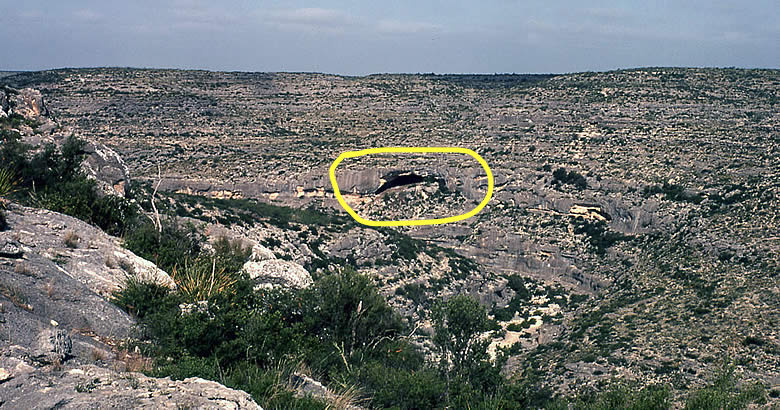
(363, 37)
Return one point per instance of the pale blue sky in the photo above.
(361, 37)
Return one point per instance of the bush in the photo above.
(723, 392)
(519, 327)
(625, 396)
(78, 198)
(400, 388)
(572, 177)
(414, 292)
(140, 297)
(271, 387)
(168, 248)
(341, 327)
(672, 192)
(347, 309)
(598, 234)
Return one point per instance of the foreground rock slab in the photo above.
(95, 387)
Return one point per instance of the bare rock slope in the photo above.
(60, 336)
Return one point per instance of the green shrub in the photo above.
(401, 388)
(341, 327)
(271, 387)
(414, 292)
(16, 120)
(347, 309)
(625, 396)
(78, 198)
(457, 324)
(598, 234)
(139, 297)
(724, 392)
(168, 248)
(52, 179)
(572, 177)
(518, 327)
(672, 192)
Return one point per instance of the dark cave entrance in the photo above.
(400, 180)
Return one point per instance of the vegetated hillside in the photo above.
(655, 191)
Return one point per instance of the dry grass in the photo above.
(84, 331)
(15, 295)
(134, 362)
(50, 290)
(97, 355)
(72, 240)
(22, 269)
(348, 397)
(56, 365)
(111, 262)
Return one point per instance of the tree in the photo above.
(457, 324)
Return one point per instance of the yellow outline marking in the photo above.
(409, 222)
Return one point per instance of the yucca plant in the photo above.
(8, 184)
(202, 279)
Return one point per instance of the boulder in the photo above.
(107, 168)
(29, 104)
(277, 272)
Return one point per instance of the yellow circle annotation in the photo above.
(410, 222)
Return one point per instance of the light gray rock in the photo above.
(93, 387)
(107, 168)
(98, 261)
(277, 272)
(261, 253)
(60, 333)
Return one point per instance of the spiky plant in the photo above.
(8, 184)
(202, 279)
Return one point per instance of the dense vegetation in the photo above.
(340, 329)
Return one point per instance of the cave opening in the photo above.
(400, 180)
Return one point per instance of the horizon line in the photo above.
(385, 73)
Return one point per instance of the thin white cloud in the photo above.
(311, 20)
(319, 20)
